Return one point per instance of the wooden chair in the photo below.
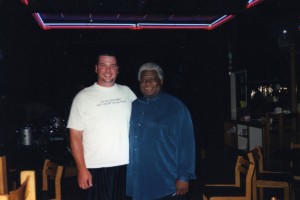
(295, 169)
(54, 171)
(241, 189)
(27, 189)
(3, 176)
(267, 179)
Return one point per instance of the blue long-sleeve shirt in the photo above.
(162, 147)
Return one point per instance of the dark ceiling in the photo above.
(50, 66)
(57, 59)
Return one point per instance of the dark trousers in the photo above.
(108, 184)
(174, 197)
(168, 197)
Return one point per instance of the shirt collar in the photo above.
(155, 98)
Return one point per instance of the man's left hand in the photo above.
(182, 187)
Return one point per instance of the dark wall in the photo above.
(45, 69)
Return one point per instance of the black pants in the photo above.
(108, 184)
(173, 197)
(168, 197)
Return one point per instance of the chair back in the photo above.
(3, 176)
(27, 190)
(54, 171)
(256, 157)
(245, 172)
(240, 190)
(266, 178)
(19, 193)
(29, 177)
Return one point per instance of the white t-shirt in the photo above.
(103, 114)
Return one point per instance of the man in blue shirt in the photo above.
(161, 138)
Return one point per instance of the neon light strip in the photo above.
(90, 27)
(137, 26)
(252, 3)
(220, 21)
(168, 26)
(211, 26)
(39, 20)
(47, 26)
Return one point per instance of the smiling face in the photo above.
(107, 70)
(150, 84)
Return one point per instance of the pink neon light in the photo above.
(221, 22)
(171, 27)
(40, 23)
(139, 27)
(45, 27)
(136, 27)
(186, 27)
(90, 27)
(254, 3)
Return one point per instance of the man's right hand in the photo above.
(84, 179)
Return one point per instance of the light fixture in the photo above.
(252, 3)
(48, 21)
(136, 22)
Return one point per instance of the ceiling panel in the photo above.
(135, 22)
(136, 14)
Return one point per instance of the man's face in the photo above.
(107, 70)
(150, 84)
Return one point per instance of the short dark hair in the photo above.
(106, 54)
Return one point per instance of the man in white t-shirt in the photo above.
(99, 128)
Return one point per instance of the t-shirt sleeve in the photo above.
(75, 120)
(132, 96)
